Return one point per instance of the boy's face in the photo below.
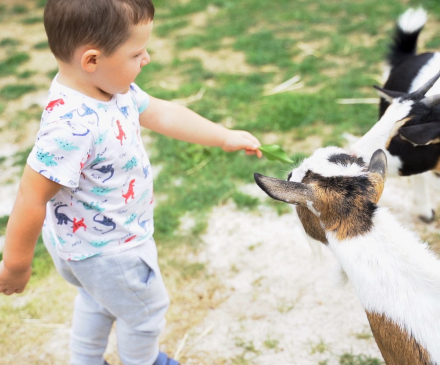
(115, 73)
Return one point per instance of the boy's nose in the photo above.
(146, 59)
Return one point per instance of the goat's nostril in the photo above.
(289, 176)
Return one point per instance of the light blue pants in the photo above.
(126, 287)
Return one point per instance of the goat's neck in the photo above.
(379, 135)
(397, 279)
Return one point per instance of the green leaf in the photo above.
(274, 152)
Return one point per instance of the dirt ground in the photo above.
(284, 302)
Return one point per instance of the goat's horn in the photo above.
(389, 94)
(286, 191)
(431, 101)
(424, 89)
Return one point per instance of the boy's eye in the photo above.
(138, 55)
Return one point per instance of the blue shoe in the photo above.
(106, 363)
(163, 359)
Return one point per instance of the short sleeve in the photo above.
(61, 151)
(141, 98)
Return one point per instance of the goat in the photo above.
(409, 124)
(394, 274)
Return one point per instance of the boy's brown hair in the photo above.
(104, 24)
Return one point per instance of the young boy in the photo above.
(88, 182)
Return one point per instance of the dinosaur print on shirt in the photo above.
(65, 145)
(45, 158)
(130, 164)
(88, 111)
(121, 134)
(101, 138)
(105, 177)
(92, 206)
(54, 103)
(105, 221)
(130, 191)
(105, 170)
(101, 191)
(62, 218)
(78, 224)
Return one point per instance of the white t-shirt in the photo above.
(94, 150)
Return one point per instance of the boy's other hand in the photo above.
(13, 282)
(242, 140)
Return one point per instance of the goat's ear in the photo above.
(422, 134)
(378, 163)
(388, 95)
(378, 167)
(286, 191)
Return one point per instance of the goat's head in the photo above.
(333, 191)
(415, 131)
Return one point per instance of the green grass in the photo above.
(350, 359)
(264, 48)
(319, 348)
(271, 343)
(51, 74)
(9, 65)
(15, 91)
(7, 42)
(42, 45)
(169, 27)
(26, 74)
(33, 20)
(3, 223)
(20, 157)
(42, 263)
(269, 34)
(19, 9)
(40, 3)
(244, 201)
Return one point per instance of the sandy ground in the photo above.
(285, 303)
(285, 292)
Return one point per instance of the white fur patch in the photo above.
(412, 20)
(319, 164)
(377, 137)
(427, 72)
(394, 273)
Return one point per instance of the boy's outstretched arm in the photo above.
(23, 229)
(176, 121)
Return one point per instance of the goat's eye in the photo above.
(289, 176)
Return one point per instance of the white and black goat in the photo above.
(409, 125)
(394, 274)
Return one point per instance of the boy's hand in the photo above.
(10, 282)
(242, 140)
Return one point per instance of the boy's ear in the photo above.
(89, 60)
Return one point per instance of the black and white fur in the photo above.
(408, 130)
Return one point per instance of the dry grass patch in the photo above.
(223, 61)
(30, 320)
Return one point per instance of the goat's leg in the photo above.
(422, 205)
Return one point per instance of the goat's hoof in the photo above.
(428, 219)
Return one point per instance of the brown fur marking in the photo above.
(395, 129)
(437, 167)
(311, 224)
(346, 204)
(397, 346)
(378, 186)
